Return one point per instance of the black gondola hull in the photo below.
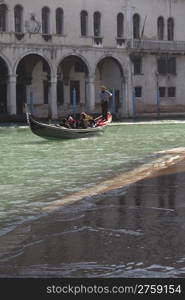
(58, 132)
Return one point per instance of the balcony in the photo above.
(27, 38)
(97, 40)
(156, 46)
(47, 37)
(120, 41)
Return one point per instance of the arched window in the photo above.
(136, 26)
(3, 18)
(18, 15)
(59, 21)
(120, 25)
(45, 20)
(84, 22)
(97, 23)
(170, 29)
(160, 28)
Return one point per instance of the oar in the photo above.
(96, 119)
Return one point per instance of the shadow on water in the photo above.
(135, 231)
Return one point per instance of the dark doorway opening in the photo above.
(3, 86)
(21, 97)
(3, 96)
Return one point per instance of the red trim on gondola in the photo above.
(104, 122)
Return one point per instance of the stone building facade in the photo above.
(51, 49)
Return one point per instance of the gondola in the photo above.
(55, 131)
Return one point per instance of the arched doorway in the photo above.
(72, 75)
(3, 86)
(109, 73)
(32, 86)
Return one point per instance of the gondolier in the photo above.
(105, 96)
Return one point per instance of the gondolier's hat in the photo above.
(103, 87)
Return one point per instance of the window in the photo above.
(3, 16)
(45, 20)
(97, 28)
(167, 65)
(171, 92)
(137, 65)
(136, 26)
(59, 21)
(138, 91)
(18, 16)
(160, 28)
(171, 65)
(120, 25)
(97, 24)
(170, 29)
(161, 65)
(84, 23)
(162, 91)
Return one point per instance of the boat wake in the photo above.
(164, 160)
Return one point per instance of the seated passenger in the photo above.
(85, 121)
(64, 122)
(71, 122)
(68, 122)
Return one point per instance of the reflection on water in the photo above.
(136, 231)
(35, 172)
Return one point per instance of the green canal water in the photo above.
(34, 172)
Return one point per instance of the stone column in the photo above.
(52, 22)
(128, 22)
(129, 89)
(10, 19)
(53, 97)
(123, 98)
(11, 99)
(90, 94)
